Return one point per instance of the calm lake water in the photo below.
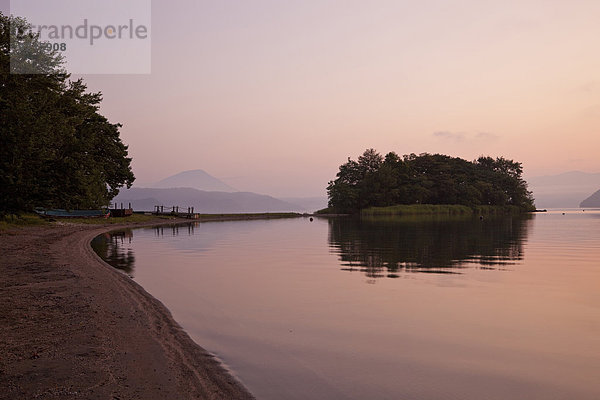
(416, 308)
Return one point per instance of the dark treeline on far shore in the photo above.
(377, 181)
(57, 150)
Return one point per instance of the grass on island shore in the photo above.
(329, 211)
(440, 209)
(431, 209)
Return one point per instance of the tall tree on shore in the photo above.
(57, 149)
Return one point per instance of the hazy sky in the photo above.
(272, 96)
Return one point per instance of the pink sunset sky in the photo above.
(272, 96)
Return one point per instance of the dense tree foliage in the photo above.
(57, 150)
(380, 181)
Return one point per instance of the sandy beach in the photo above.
(73, 327)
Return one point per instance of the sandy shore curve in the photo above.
(71, 326)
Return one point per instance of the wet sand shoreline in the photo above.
(73, 327)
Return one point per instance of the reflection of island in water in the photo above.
(383, 247)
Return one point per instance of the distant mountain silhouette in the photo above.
(144, 199)
(592, 201)
(196, 179)
(563, 190)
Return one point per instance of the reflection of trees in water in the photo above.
(174, 230)
(115, 247)
(383, 247)
(111, 247)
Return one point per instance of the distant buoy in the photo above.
(311, 219)
(481, 217)
(563, 213)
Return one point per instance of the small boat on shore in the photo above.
(61, 213)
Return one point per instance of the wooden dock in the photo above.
(115, 211)
(186, 212)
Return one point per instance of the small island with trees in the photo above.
(428, 183)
